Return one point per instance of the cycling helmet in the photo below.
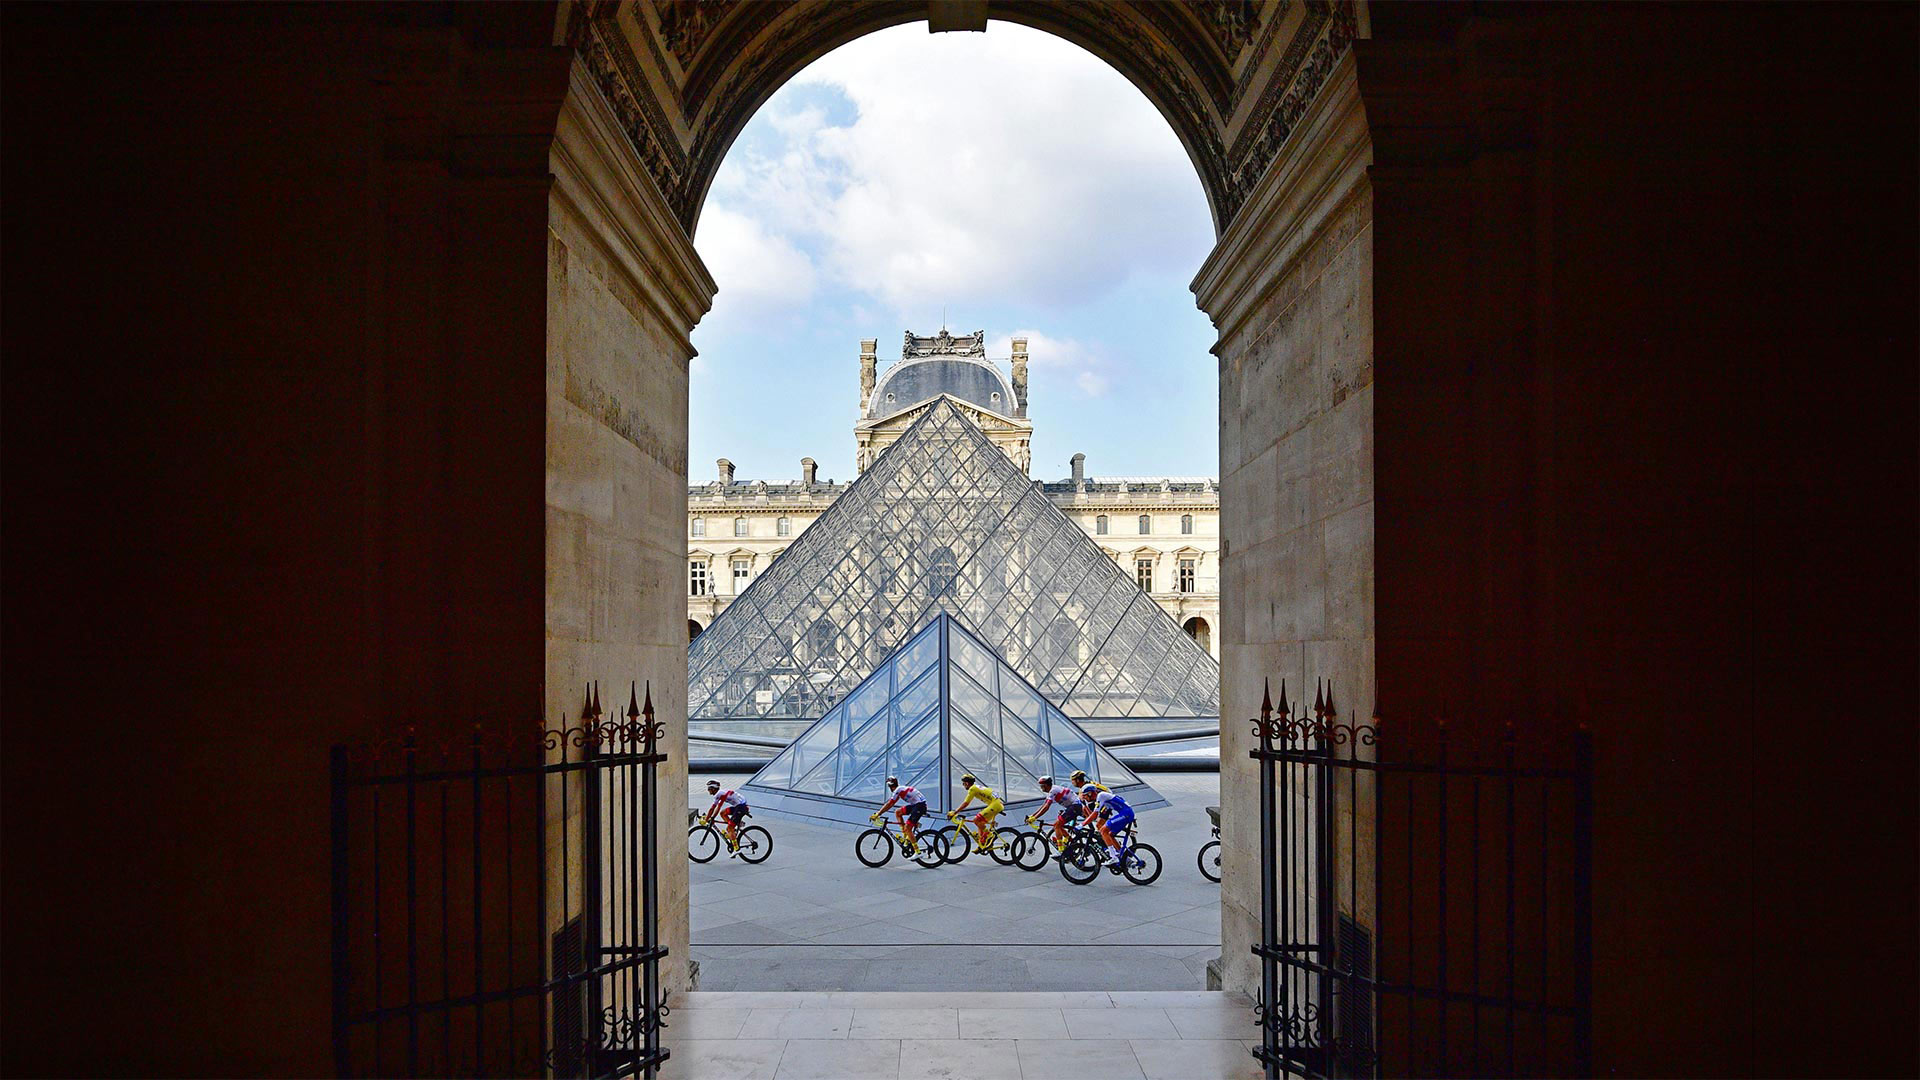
(892, 782)
(1079, 776)
(969, 779)
(1089, 793)
(1046, 781)
(713, 785)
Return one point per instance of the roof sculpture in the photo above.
(940, 707)
(943, 523)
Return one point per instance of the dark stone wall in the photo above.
(275, 309)
(1645, 458)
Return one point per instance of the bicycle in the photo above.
(1210, 851)
(704, 841)
(875, 846)
(1034, 846)
(1086, 854)
(960, 842)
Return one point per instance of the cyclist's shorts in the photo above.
(1070, 812)
(1120, 821)
(736, 813)
(914, 813)
(992, 809)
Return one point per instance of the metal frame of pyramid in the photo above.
(944, 523)
(941, 706)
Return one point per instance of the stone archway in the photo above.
(1199, 631)
(694, 629)
(1264, 99)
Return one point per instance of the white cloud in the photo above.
(1061, 362)
(976, 168)
(763, 271)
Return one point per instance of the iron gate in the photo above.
(1420, 915)
(495, 902)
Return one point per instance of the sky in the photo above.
(1009, 182)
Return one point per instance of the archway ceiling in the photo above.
(1231, 76)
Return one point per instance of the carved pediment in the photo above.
(944, 344)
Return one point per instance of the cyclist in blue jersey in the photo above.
(1111, 815)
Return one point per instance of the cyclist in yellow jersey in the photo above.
(1081, 783)
(990, 806)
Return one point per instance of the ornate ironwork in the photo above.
(1514, 997)
(458, 949)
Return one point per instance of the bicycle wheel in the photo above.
(703, 843)
(1142, 865)
(756, 844)
(1210, 860)
(956, 843)
(1000, 847)
(873, 847)
(1031, 851)
(930, 850)
(1080, 863)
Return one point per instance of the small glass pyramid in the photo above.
(943, 523)
(941, 706)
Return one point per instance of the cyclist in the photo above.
(990, 806)
(912, 806)
(1057, 795)
(1081, 783)
(1111, 815)
(735, 805)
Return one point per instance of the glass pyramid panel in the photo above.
(942, 523)
(962, 710)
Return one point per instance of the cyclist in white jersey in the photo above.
(1057, 795)
(913, 806)
(735, 805)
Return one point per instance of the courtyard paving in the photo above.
(812, 918)
(1115, 1035)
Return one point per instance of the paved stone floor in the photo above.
(812, 918)
(1180, 1035)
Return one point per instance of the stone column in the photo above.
(625, 289)
(1290, 289)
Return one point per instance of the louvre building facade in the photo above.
(1161, 531)
(943, 521)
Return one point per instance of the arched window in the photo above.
(1201, 634)
(693, 630)
(1146, 524)
(1100, 525)
(941, 571)
(1186, 524)
(740, 526)
(783, 527)
(698, 527)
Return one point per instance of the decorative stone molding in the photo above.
(1327, 159)
(599, 176)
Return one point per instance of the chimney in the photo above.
(868, 347)
(808, 470)
(1079, 468)
(1020, 375)
(726, 470)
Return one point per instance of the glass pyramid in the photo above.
(939, 708)
(944, 523)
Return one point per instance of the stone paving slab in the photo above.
(995, 1035)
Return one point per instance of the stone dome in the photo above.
(917, 381)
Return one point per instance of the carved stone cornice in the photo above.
(714, 62)
(598, 176)
(1326, 161)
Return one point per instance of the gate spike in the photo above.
(1319, 699)
(1285, 709)
(1333, 711)
(597, 712)
(1266, 697)
(647, 709)
(633, 702)
(586, 703)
